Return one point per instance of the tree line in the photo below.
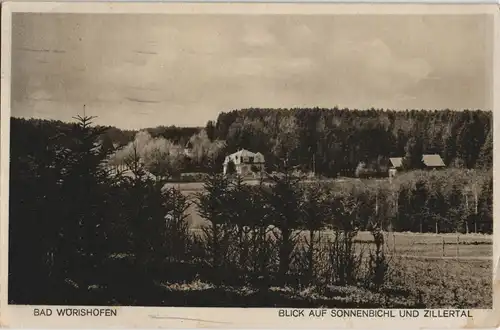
(329, 142)
(333, 141)
(448, 201)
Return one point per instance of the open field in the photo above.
(193, 187)
(425, 246)
(436, 245)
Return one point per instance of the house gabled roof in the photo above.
(396, 162)
(243, 153)
(433, 160)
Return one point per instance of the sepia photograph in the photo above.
(245, 159)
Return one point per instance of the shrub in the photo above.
(231, 168)
(378, 264)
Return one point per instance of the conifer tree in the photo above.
(285, 199)
(315, 213)
(177, 226)
(413, 154)
(485, 159)
(241, 215)
(84, 186)
(212, 205)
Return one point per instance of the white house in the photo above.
(245, 162)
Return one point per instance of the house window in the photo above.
(250, 159)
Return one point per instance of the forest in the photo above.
(80, 233)
(330, 142)
(339, 139)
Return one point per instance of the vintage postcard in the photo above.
(248, 165)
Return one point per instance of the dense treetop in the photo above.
(341, 138)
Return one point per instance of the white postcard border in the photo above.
(142, 317)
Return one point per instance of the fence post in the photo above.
(458, 245)
(393, 243)
(444, 253)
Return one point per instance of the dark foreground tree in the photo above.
(213, 206)
(59, 190)
(285, 200)
(177, 236)
(314, 217)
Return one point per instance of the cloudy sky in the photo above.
(135, 71)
